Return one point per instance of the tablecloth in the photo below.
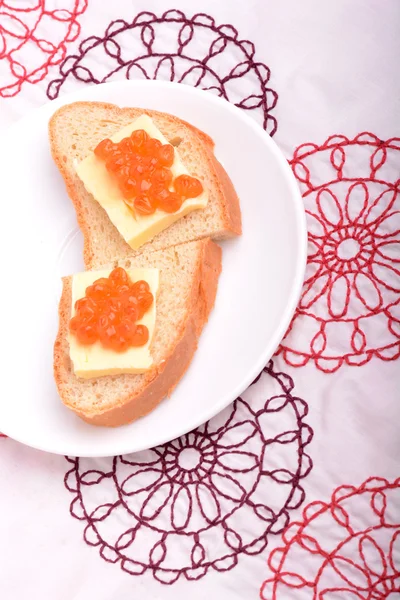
(292, 492)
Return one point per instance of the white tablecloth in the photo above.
(312, 449)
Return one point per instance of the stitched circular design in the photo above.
(195, 51)
(200, 501)
(33, 38)
(345, 549)
(349, 310)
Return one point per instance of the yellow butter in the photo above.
(135, 229)
(96, 361)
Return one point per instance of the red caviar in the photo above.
(188, 186)
(141, 165)
(109, 310)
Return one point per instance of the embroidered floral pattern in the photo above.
(33, 37)
(345, 549)
(201, 501)
(193, 50)
(349, 310)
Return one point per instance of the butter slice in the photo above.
(135, 229)
(96, 361)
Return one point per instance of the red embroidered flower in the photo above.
(346, 549)
(33, 37)
(350, 306)
(199, 502)
(192, 50)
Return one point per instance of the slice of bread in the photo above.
(188, 284)
(76, 129)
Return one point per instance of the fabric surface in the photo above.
(292, 492)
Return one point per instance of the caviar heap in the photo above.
(141, 166)
(109, 311)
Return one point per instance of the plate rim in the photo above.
(297, 283)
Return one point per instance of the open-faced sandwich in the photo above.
(150, 199)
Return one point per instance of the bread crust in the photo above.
(162, 379)
(228, 198)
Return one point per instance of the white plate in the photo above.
(258, 290)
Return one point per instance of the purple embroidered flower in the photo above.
(174, 47)
(200, 501)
